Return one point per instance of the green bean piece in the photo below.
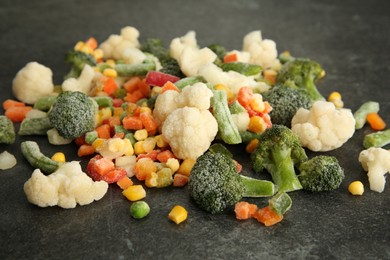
(37, 159)
(7, 130)
(45, 103)
(360, 115)
(35, 126)
(377, 139)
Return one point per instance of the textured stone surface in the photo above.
(349, 38)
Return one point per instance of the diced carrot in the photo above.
(267, 216)
(244, 96)
(117, 102)
(151, 155)
(132, 123)
(231, 57)
(12, 103)
(180, 180)
(143, 167)
(134, 96)
(114, 120)
(169, 86)
(17, 114)
(267, 107)
(80, 140)
(114, 175)
(148, 122)
(103, 166)
(92, 43)
(110, 86)
(238, 166)
(164, 156)
(144, 88)
(132, 84)
(119, 135)
(245, 210)
(85, 150)
(376, 122)
(104, 131)
(124, 183)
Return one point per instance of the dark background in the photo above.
(349, 38)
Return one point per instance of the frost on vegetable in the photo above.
(376, 161)
(66, 187)
(32, 82)
(323, 127)
(7, 160)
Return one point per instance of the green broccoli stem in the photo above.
(257, 188)
(283, 172)
(312, 90)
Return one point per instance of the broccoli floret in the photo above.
(7, 130)
(156, 47)
(303, 74)
(73, 114)
(321, 173)
(285, 102)
(78, 59)
(215, 184)
(278, 151)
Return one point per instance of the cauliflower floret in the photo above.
(262, 52)
(189, 131)
(32, 82)
(242, 56)
(133, 56)
(323, 128)
(115, 46)
(178, 44)
(376, 161)
(66, 187)
(241, 120)
(83, 83)
(197, 95)
(232, 79)
(164, 105)
(191, 59)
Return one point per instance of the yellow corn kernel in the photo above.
(98, 143)
(140, 135)
(129, 150)
(116, 145)
(151, 180)
(104, 113)
(322, 74)
(111, 63)
(156, 91)
(118, 111)
(251, 146)
(173, 164)
(178, 214)
(111, 73)
(58, 157)
(257, 124)
(160, 141)
(229, 93)
(98, 54)
(149, 144)
(186, 167)
(257, 104)
(139, 148)
(145, 109)
(86, 49)
(270, 76)
(334, 95)
(356, 188)
(79, 45)
(134, 192)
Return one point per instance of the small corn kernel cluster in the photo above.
(90, 47)
(335, 98)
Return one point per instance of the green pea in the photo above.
(139, 209)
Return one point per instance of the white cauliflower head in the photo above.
(262, 52)
(323, 127)
(189, 131)
(66, 187)
(376, 161)
(83, 83)
(116, 45)
(192, 59)
(164, 105)
(32, 82)
(197, 95)
(178, 44)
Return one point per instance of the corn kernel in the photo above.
(156, 91)
(178, 214)
(58, 157)
(111, 73)
(86, 49)
(257, 124)
(140, 135)
(149, 144)
(118, 111)
(134, 192)
(356, 188)
(151, 180)
(98, 143)
(257, 104)
(139, 148)
(270, 76)
(251, 146)
(173, 164)
(79, 45)
(322, 74)
(129, 150)
(98, 54)
(186, 167)
(145, 109)
(229, 93)
(334, 95)
(111, 63)
(161, 143)
(116, 145)
(103, 114)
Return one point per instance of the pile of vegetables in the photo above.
(149, 116)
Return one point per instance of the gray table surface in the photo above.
(351, 39)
